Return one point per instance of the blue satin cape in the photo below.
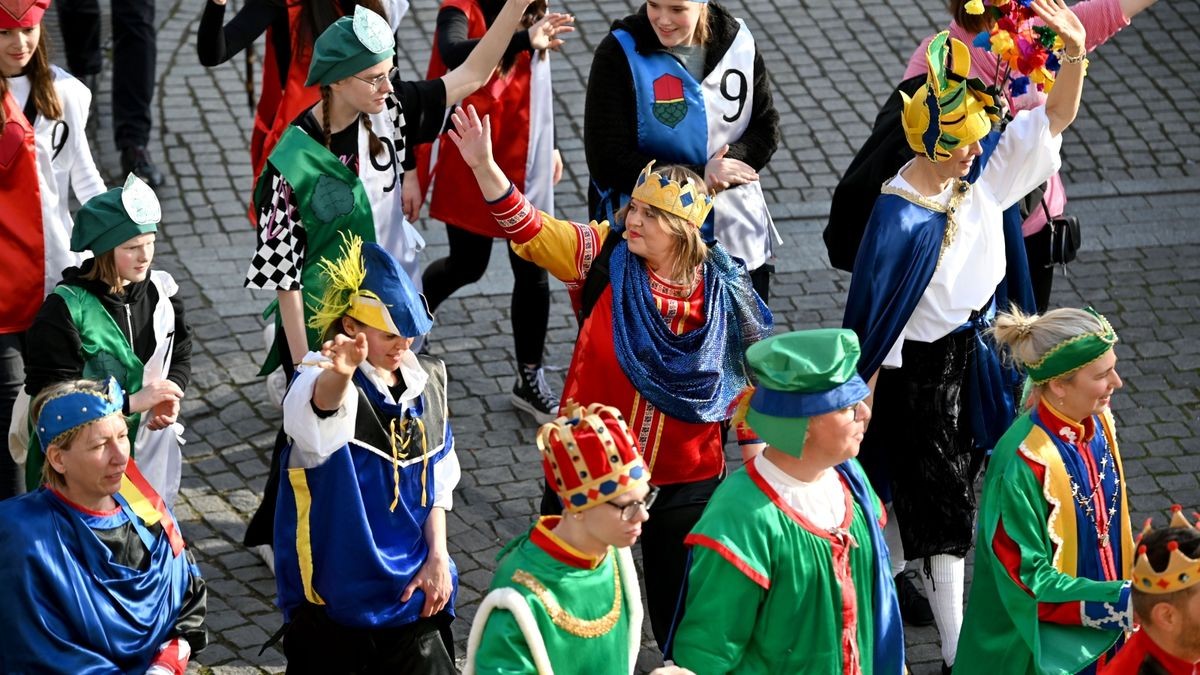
(67, 607)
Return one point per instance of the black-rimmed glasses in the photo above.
(377, 82)
(860, 410)
(632, 509)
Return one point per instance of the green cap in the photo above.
(801, 375)
(110, 219)
(350, 45)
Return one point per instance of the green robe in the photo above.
(1002, 632)
(499, 644)
(766, 590)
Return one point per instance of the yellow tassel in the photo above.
(395, 465)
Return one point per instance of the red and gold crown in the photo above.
(1181, 572)
(589, 456)
(688, 201)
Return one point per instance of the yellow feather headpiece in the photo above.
(1181, 572)
(688, 201)
(343, 281)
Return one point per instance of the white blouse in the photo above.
(822, 501)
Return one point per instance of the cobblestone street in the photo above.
(1129, 165)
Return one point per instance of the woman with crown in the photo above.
(363, 575)
(934, 266)
(1051, 590)
(665, 323)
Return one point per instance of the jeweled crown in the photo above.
(589, 456)
(1181, 572)
(688, 201)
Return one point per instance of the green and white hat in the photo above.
(112, 218)
(350, 45)
(801, 375)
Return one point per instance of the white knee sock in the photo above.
(945, 593)
(891, 535)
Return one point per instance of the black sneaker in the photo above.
(135, 159)
(531, 394)
(914, 608)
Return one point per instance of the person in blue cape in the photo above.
(93, 570)
(935, 264)
(362, 570)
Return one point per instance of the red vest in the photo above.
(23, 255)
(456, 196)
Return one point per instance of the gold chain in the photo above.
(584, 628)
(961, 190)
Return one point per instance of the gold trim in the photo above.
(960, 191)
(584, 628)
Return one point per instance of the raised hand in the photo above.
(344, 354)
(472, 136)
(544, 34)
(1058, 16)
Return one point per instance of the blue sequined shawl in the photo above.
(693, 377)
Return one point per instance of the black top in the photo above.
(217, 43)
(610, 137)
(54, 344)
(452, 29)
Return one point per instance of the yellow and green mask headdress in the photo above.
(950, 110)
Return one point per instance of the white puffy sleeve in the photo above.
(1025, 157)
(315, 438)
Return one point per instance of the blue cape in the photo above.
(67, 605)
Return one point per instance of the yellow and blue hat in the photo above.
(367, 284)
(951, 109)
(350, 45)
(68, 412)
(688, 200)
(801, 375)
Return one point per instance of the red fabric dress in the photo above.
(23, 254)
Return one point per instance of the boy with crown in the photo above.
(1166, 602)
(93, 570)
(363, 575)
(565, 596)
(665, 323)
(798, 528)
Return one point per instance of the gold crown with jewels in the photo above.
(688, 201)
(1181, 572)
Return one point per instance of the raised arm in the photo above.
(473, 137)
(478, 67)
(217, 43)
(1062, 104)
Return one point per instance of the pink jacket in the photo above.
(1101, 19)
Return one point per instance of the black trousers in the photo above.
(134, 55)
(12, 378)
(261, 529)
(920, 448)
(314, 643)
(1041, 271)
(466, 264)
(664, 557)
(760, 279)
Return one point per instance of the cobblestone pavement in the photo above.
(1129, 161)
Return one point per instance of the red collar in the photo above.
(1066, 429)
(544, 538)
(83, 509)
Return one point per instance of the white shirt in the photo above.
(974, 262)
(822, 501)
(315, 439)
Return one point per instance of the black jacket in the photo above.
(610, 112)
(53, 352)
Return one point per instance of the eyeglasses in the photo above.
(860, 409)
(632, 509)
(377, 82)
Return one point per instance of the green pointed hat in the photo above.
(112, 218)
(801, 375)
(350, 45)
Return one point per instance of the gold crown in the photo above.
(1181, 572)
(690, 202)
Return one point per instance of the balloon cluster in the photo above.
(1025, 48)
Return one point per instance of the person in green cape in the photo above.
(338, 171)
(797, 529)
(1051, 591)
(115, 316)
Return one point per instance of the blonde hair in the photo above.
(690, 249)
(50, 475)
(702, 33)
(1027, 338)
(104, 269)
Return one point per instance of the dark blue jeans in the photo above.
(12, 378)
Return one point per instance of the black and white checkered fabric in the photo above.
(280, 254)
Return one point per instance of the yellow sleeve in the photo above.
(565, 249)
